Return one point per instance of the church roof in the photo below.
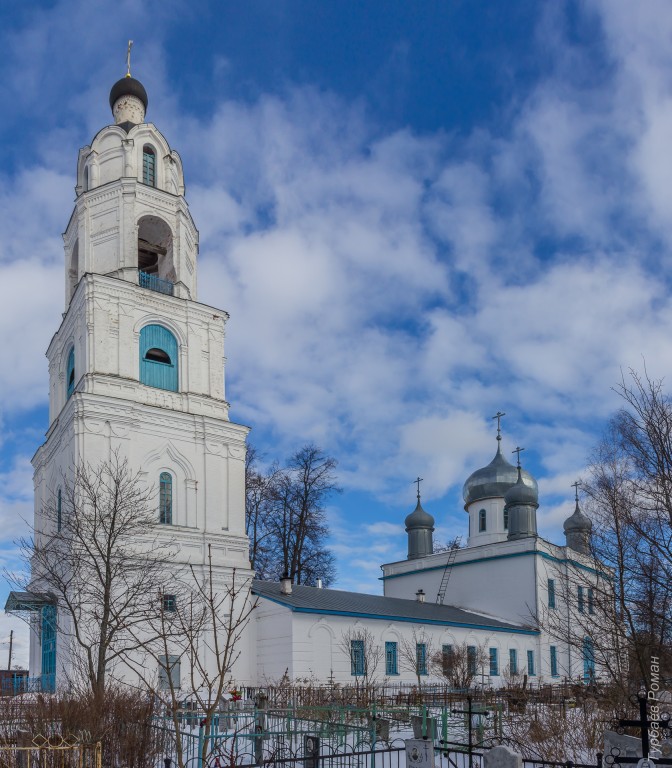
(336, 602)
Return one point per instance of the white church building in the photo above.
(137, 368)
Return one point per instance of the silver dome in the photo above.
(577, 521)
(419, 519)
(494, 480)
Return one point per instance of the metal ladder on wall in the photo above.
(452, 554)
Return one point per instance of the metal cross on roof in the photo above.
(575, 486)
(417, 482)
(518, 450)
(498, 416)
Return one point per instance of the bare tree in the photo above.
(260, 494)
(200, 627)
(286, 516)
(364, 652)
(95, 550)
(630, 500)
(416, 653)
(459, 665)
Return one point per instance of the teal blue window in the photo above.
(148, 166)
(391, 664)
(581, 600)
(551, 593)
(70, 373)
(471, 660)
(591, 601)
(357, 657)
(158, 358)
(530, 664)
(513, 661)
(59, 511)
(421, 658)
(588, 660)
(48, 643)
(494, 662)
(169, 603)
(554, 661)
(481, 520)
(446, 659)
(166, 498)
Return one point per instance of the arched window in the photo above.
(481, 521)
(158, 358)
(59, 519)
(166, 499)
(148, 166)
(70, 373)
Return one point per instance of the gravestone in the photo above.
(419, 753)
(502, 757)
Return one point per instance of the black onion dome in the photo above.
(419, 518)
(521, 493)
(495, 480)
(128, 86)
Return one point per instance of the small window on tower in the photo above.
(70, 373)
(506, 519)
(148, 166)
(481, 520)
(165, 499)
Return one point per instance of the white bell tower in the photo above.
(137, 365)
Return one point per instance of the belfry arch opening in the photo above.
(155, 255)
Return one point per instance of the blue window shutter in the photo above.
(513, 661)
(357, 657)
(421, 658)
(166, 499)
(530, 664)
(588, 660)
(471, 659)
(48, 642)
(70, 374)
(391, 667)
(551, 593)
(591, 601)
(158, 372)
(580, 599)
(554, 661)
(494, 664)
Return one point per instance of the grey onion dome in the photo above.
(495, 480)
(521, 493)
(577, 521)
(128, 86)
(419, 519)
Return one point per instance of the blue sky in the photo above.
(416, 214)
